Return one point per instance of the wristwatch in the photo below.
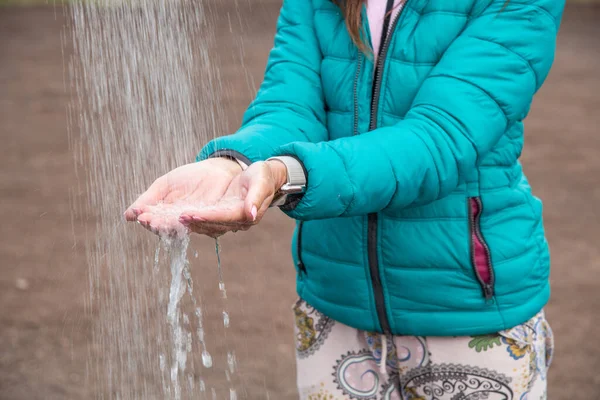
(296, 176)
(296, 180)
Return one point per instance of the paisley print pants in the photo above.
(336, 362)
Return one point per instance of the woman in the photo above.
(391, 132)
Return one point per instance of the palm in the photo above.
(211, 197)
(188, 187)
(195, 183)
(234, 209)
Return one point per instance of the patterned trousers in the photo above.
(336, 362)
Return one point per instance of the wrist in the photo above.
(240, 159)
(231, 164)
(278, 171)
(290, 177)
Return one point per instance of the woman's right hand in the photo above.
(202, 182)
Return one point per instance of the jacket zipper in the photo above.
(385, 43)
(355, 92)
(475, 223)
(372, 218)
(300, 263)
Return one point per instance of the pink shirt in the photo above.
(376, 15)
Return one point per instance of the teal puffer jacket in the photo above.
(417, 219)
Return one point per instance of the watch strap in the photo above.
(295, 171)
(295, 183)
(241, 159)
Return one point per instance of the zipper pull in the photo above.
(301, 267)
(488, 292)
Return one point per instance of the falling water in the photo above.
(221, 283)
(146, 98)
(230, 355)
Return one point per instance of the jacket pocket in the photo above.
(300, 263)
(480, 252)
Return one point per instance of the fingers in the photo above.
(162, 225)
(256, 206)
(132, 213)
(217, 221)
(258, 186)
(224, 214)
(261, 189)
(172, 226)
(215, 230)
(154, 194)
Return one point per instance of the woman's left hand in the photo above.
(253, 189)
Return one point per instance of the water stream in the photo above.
(146, 96)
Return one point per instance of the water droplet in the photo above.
(231, 362)
(202, 385)
(214, 394)
(225, 319)
(174, 373)
(196, 254)
(188, 344)
(222, 289)
(206, 359)
(186, 274)
(156, 257)
(219, 270)
(161, 362)
(232, 394)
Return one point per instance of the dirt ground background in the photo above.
(45, 328)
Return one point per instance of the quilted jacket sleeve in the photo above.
(484, 82)
(289, 105)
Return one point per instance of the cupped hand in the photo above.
(191, 185)
(210, 197)
(243, 204)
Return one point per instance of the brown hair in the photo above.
(352, 10)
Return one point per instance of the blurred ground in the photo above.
(44, 327)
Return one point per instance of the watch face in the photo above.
(292, 189)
